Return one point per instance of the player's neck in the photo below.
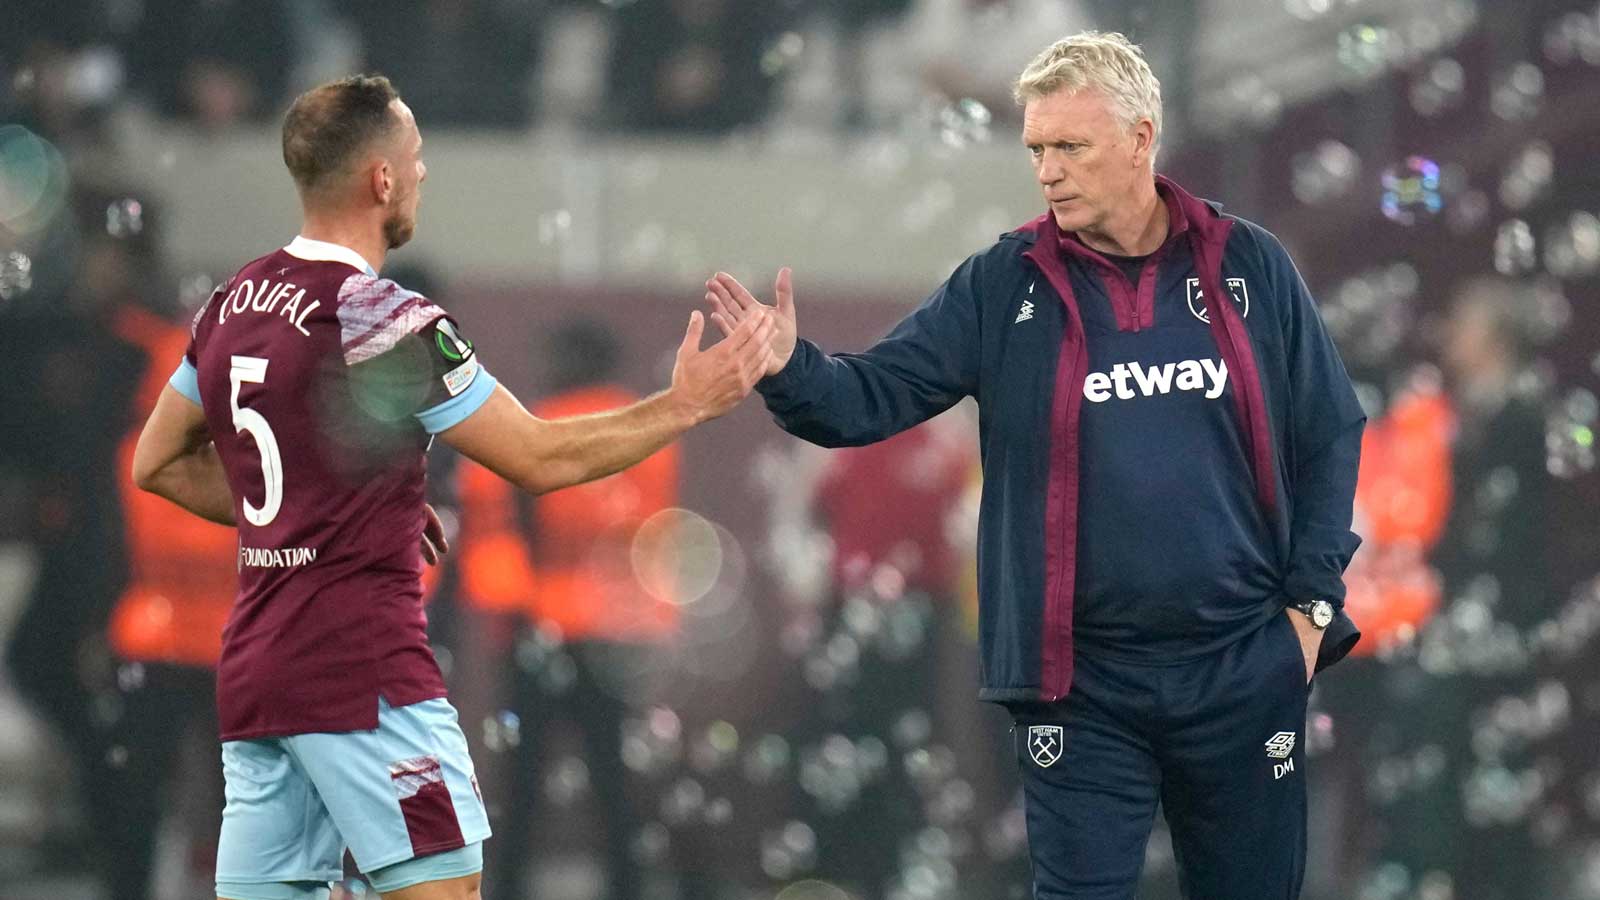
(361, 237)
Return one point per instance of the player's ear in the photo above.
(382, 180)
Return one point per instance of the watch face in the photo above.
(1322, 614)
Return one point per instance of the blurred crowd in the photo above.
(672, 66)
(1444, 208)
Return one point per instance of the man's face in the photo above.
(408, 171)
(1087, 163)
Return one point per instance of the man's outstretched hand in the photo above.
(731, 305)
(708, 383)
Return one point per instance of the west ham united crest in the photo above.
(1045, 744)
(1241, 297)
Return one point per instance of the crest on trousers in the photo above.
(1045, 744)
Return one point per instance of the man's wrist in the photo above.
(682, 413)
(787, 376)
(1320, 613)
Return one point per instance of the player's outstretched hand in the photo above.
(731, 304)
(434, 545)
(711, 382)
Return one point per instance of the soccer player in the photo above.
(1169, 445)
(301, 412)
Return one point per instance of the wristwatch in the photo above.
(1320, 612)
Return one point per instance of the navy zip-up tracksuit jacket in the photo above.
(1090, 538)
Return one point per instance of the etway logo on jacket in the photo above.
(1126, 381)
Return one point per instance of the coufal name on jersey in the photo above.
(1127, 381)
(266, 298)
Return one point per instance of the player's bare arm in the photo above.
(176, 459)
(730, 304)
(541, 455)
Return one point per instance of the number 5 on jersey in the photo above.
(253, 369)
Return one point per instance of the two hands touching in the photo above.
(706, 383)
(732, 307)
(757, 342)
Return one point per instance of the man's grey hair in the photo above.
(1103, 61)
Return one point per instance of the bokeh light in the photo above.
(16, 274)
(1308, 10)
(812, 890)
(677, 556)
(963, 123)
(33, 180)
(555, 227)
(1570, 434)
(1514, 250)
(1440, 87)
(1528, 176)
(1573, 38)
(1411, 191)
(1325, 173)
(788, 851)
(1572, 246)
(125, 218)
(782, 53)
(1366, 49)
(1518, 92)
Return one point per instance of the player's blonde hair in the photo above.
(1103, 61)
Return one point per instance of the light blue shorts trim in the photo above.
(467, 860)
(300, 890)
(403, 791)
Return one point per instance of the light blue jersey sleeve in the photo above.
(186, 381)
(454, 411)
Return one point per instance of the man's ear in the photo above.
(1144, 136)
(382, 181)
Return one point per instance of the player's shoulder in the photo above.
(219, 294)
(376, 313)
(225, 289)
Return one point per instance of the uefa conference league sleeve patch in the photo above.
(429, 366)
(455, 359)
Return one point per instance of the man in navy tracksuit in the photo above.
(1168, 480)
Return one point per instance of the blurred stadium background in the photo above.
(784, 707)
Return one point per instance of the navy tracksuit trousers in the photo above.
(1218, 742)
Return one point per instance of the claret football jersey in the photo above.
(323, 385)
